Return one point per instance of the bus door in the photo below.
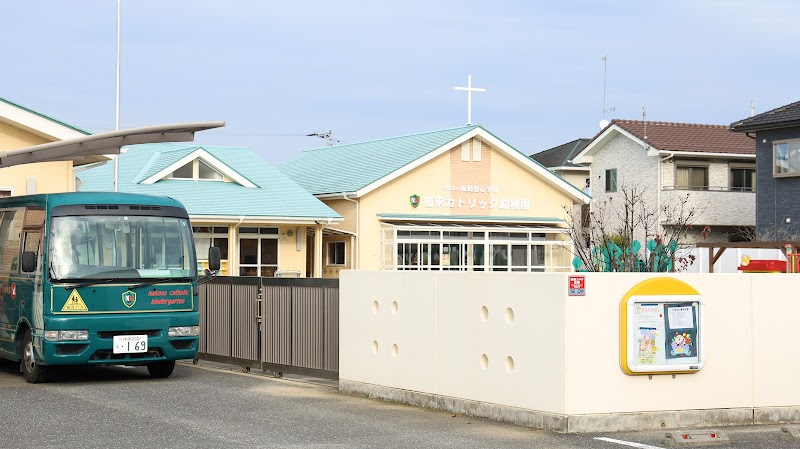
(27, 287)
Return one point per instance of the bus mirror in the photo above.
(28, 262)
(213, 258)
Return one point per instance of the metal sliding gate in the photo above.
(283, 325)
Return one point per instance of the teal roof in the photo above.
(161, 160)
(276, 195)
(45, 116)
(348, 168)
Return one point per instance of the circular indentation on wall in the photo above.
(394, 350)
(509, 364)
(394, 307)
(509, 315)
(484, 361)
(375, 307)
(374, 347)
(484, 313)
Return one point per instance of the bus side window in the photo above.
(10, 234)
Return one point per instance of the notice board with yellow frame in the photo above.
(662, 328)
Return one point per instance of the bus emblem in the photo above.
(129, 299)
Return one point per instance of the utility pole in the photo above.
(605, 72)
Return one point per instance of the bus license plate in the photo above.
(128, 344)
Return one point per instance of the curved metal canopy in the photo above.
(81, 149)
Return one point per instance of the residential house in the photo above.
(777, 146)
(455, 199)
(21, 127)
(711, 165)
(559, 161)
(263, 223)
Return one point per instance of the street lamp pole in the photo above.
(116, 122)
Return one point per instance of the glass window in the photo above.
(477, 257)
(269, 252)
(185, 172)
(10, 230)
(519, 257)
(694, 178)
(258, 256)
(336, 253)
(500, 257)
(124, 247)
(743, 179)
(611, 180)
(537, 258)
(787, 158)
(407, 256)
(206, 236)
(206, 172)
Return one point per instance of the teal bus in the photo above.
(98, 279)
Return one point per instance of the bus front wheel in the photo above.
(34, 373)
(160, 370)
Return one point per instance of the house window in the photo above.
(185, 172)
(743, 179)
(206, 237)
(611, 180)
(336, 253)
(206, 172)
(258, 251)
(196, 169)
(786, 158)
(691, 177)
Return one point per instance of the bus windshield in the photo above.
(121, 247)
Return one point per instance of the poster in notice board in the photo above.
(661, 328)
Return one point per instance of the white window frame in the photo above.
(792, 146)
(331, 253)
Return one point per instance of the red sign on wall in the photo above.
(577, 285)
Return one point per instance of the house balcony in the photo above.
(718, 206)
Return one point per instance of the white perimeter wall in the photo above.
(565, 350)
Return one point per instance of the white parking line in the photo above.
(628, 443)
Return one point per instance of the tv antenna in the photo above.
(604, 122)
(328, 136)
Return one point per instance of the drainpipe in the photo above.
(356, 259)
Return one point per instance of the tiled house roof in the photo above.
(561, 155)
(688, 137)
(782, 117)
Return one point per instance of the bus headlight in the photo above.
(66, 335)
(184, 331)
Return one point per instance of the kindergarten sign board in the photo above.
(661, 328)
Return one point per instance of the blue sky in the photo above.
(276, 71)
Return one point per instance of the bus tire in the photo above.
(34, 373)
(161, 370)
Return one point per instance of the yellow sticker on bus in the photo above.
(75, 303)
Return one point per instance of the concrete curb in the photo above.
(605, 422)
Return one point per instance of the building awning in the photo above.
(91, 148)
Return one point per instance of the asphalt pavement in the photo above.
(218, 406)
